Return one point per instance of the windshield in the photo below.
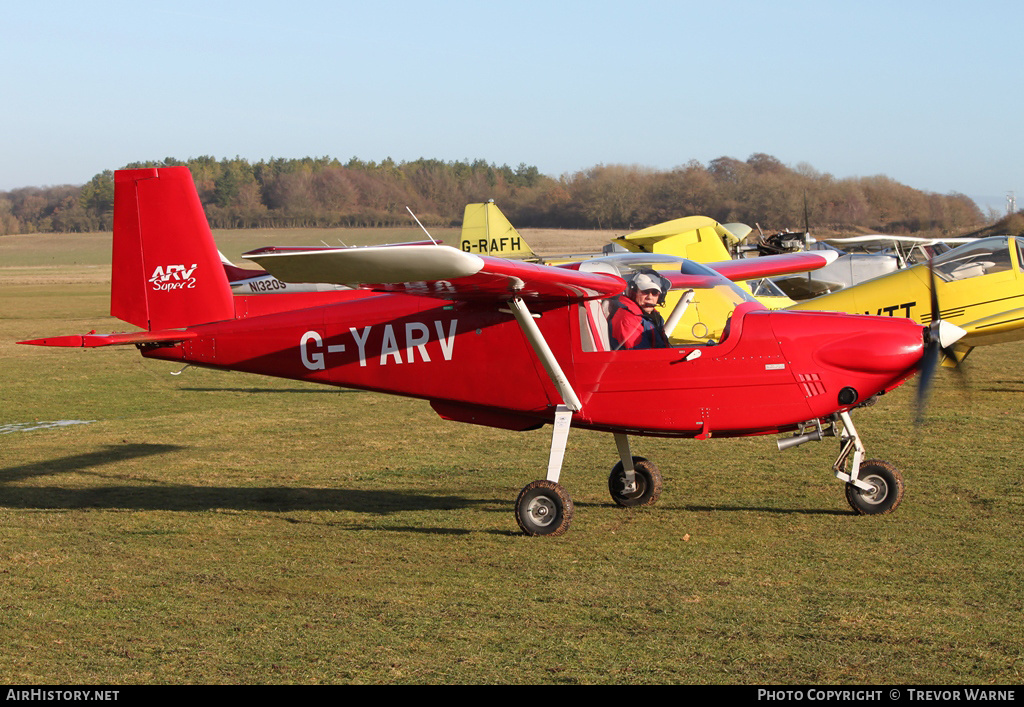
(987, 256)
(922, 253)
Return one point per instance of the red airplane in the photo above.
(510, 344)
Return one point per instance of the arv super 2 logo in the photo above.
(173, 277)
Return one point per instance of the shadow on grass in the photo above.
(80, 462)
(181, 497)
(202, 498)
(767, 509)
(189, 498)
(319, 391)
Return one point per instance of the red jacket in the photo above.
(630, 328)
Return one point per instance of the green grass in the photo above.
(221, 528)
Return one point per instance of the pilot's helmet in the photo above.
(648, 279)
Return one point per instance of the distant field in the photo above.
(219, 528)
(85, 249)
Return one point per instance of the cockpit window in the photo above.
(701, 320)
(922, 253)
(987, 256)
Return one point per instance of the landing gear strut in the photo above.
(634, 481)
(873, 487)
(544, 507)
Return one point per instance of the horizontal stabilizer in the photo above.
(93, 340)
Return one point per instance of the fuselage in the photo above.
(771, 372)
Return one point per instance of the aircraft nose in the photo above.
(869, 352)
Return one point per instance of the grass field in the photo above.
(220, 528)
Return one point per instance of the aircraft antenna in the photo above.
(421, 225)
(807, 235)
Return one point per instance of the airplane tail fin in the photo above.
(167, 271)
(695, 237)
(486, 231)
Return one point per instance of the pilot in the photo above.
(634, 322)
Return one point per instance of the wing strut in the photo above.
(543, 351)
(571, 403)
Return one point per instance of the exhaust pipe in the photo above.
(797, 440)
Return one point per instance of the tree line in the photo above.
(324, 192)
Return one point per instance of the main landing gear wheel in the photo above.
(543, 508)
(887, 491)
(648, 484)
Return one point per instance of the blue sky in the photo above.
(927, 93)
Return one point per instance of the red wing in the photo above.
(438, 271)
(772, 265)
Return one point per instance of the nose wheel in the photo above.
(873, 487)
(885, 493)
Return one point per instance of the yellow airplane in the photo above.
(862, 258)
(486, 231)
(979, 287)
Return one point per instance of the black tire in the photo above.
(648, 484)
(543, 508)
(887, 494)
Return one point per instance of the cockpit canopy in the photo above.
(704, 318)
(984, 257)
(684, 274)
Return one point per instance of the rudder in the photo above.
(486, 231)
(166, 269)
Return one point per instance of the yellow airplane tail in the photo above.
(486, 231)
(704, 240)
(694, 237)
